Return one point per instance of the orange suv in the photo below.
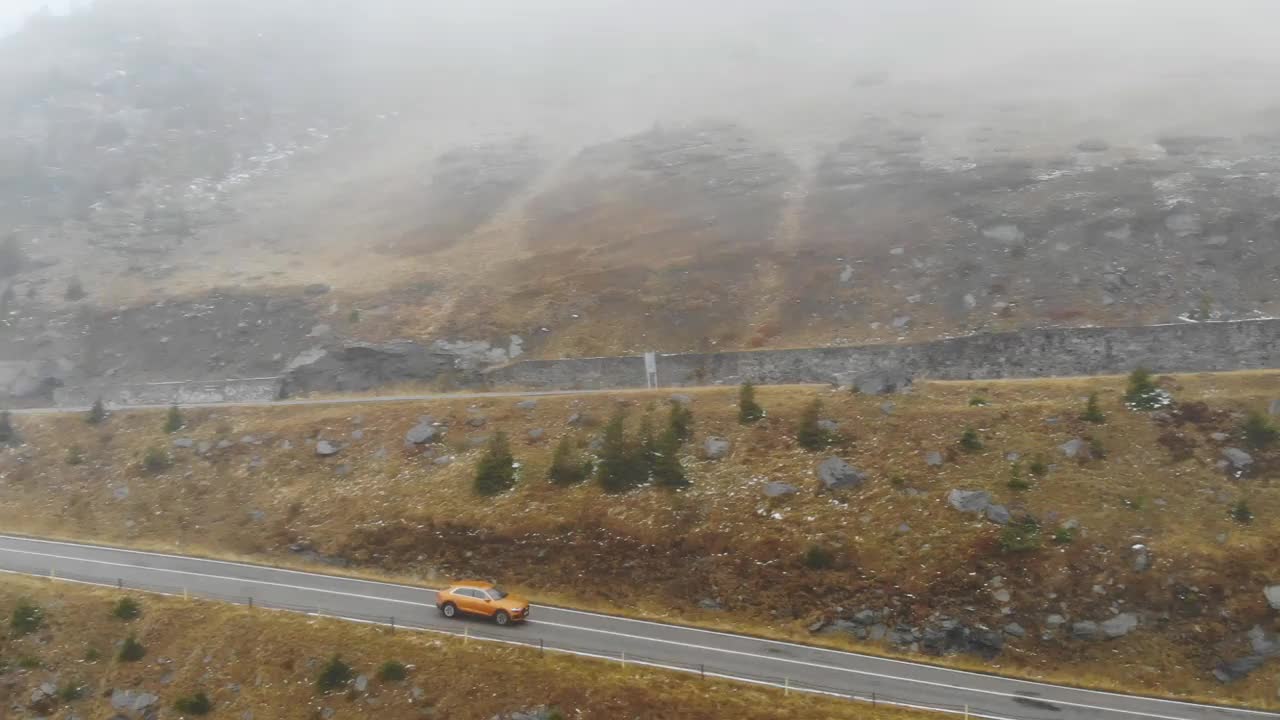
(473, 597)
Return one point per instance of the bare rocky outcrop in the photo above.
(360, 366)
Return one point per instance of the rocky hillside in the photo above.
(999, 526)
(67, 663)
(506, 181)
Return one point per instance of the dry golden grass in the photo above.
(267, 662)
(397, 513)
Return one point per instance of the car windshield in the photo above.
(497, 594)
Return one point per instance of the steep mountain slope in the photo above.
(620, 178)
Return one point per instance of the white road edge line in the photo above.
(657, 640)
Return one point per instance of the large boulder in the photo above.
(1239, 459)
(998, 514)
(1085, 630)
(715, 448)
(1229, 671)
(324, 448)
(1272, 593)
(132, 701)
(1119, 626)
(836, 474)
(971, 501)
(882, 382)
(422, 433)
(780, 489)
(1076, 449)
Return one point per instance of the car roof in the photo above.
(474, 584)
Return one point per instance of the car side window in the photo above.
(483, 595)
(467, 592)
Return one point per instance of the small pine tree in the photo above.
(173, 421)
(131, 650)
(619, 469)
(198, 704)
(667, 470)
(970, 441)
(156, 460)
(749, 410)
(496, 472)
(566, 467)
(1142, 393)
(1093, 413)
(27, 618)
(127, 609)
(354, 317)
(1021, 536)
(1259, 432)
(97, 413)
(1038, 467)
(335, 674)
(809, 433)
(393, 671)
(1016, 479)
(817, 557)
(1241, 513)
(680, 422)
(7, 433)
(75, 456)
(75, 291)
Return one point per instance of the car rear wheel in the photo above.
(449, 610)
(502, 617)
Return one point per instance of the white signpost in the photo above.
(651, 370)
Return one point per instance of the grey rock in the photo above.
(1074, 448)
(974, 501)
(1002, 595)
(904, 529)
(887, 407)
(1219, 436)
(443, 460)
(710, 604)
(1086, 630)
(286, 444)
(537, 434)
(422, 433)
(527, 404)
(342, 470)
(866, 617)
(184, 443)
(362, 683)
(882, 382)
(933, 458)
(249, 440)
(132, 700)
(1055, 620)
(1230, 671)
(120, 492)
(477, 421)
(1141, 558)
(223, 444)
(1263, 642)
(780, 489)
(1013, 629)
(835, 474)
(324, 448)
(1272, 593)
(998, 514)
(878, 632)
(580, 420)
(828, 426)
(321, 330)
(1120, 625)
(715, 448)
(357, 434)
(679, 399)
(901, 321)
(1238, 458)
(1013, 456)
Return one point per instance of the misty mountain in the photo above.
(631, 176)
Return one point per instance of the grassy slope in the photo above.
(657, 554)
(198, 646)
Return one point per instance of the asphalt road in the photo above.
(738, 657)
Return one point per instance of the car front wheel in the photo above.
(502, 617)
(449, 610)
